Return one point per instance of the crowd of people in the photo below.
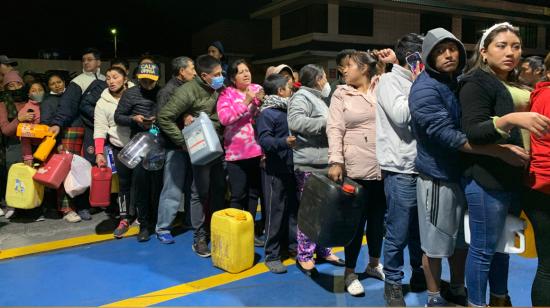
(428, 133)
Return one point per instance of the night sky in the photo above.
(160, 27)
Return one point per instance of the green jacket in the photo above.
(192, 98)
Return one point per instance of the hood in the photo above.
(434, 37)
(108, 97)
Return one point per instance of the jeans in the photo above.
(537, 207)
(177, 184)
(207, 197)
(487, 210)
(401, 225)
(373, 215)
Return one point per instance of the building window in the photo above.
(529, 35)
(355, 21)
(432, 21)
(309, 19)
(472, 29)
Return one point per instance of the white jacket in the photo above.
(104, 121)
(395, 144)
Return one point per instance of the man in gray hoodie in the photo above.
(395, 151)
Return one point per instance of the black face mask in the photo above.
(19, 95)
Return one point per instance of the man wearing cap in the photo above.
(137, 109)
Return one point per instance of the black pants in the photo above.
(281, 201)
(537, 207)
(373, 214)
(124, 175)
(245, 184)
(145, 194)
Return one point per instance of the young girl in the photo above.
(493, 111)
(352, 149)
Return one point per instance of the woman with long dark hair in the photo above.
(494, 107)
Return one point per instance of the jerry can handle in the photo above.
(237, 216)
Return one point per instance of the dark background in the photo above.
(161, 27)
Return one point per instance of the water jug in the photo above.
(22, 191)
(154, 160)
(54, 172)
(203, 143)
(330, 212)
(45, 148)
(513, 228)
(232, 238)
(133, 152)
(100, 189)
(29, 130)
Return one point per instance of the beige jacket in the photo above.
(351, 131)
(104, 121)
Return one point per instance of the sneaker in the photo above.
(457, 299)
(393, 294)
(276, 266)
(201, 249)
(71, 217)
(143, 235)
(353, 285)
(9, 212)
(40, 218)
(1, 212)
(437, 301)
(496, 301)
(417, 283)
(166, 238)
(376, 272)
(259, 241)
(85, 214)
(121, 229)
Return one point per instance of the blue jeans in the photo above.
(177, 184)
(487, 210)
(401, 225)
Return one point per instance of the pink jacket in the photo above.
(239, 137)
(26, 143)
(351, 131)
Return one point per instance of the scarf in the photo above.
(274, 101)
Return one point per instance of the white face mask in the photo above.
(326, 90)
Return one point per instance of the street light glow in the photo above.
(113, 31)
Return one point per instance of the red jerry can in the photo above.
(100, 190)
(55, 171)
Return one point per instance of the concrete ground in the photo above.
(22, 230)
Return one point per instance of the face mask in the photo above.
(19, 95)
(217, 82)
(326, 90)
(37, 97)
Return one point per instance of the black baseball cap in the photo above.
(5, 60)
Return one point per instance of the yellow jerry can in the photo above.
(22, 191)
(232, 240)
(44, 149)
(530, 249)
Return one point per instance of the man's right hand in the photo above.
(138, 119)
(54, 130)
(188, 119)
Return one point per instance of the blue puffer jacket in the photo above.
(435, 115)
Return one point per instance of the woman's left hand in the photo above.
(260, 95)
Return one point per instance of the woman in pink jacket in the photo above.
(352, 153)
(237, 106)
